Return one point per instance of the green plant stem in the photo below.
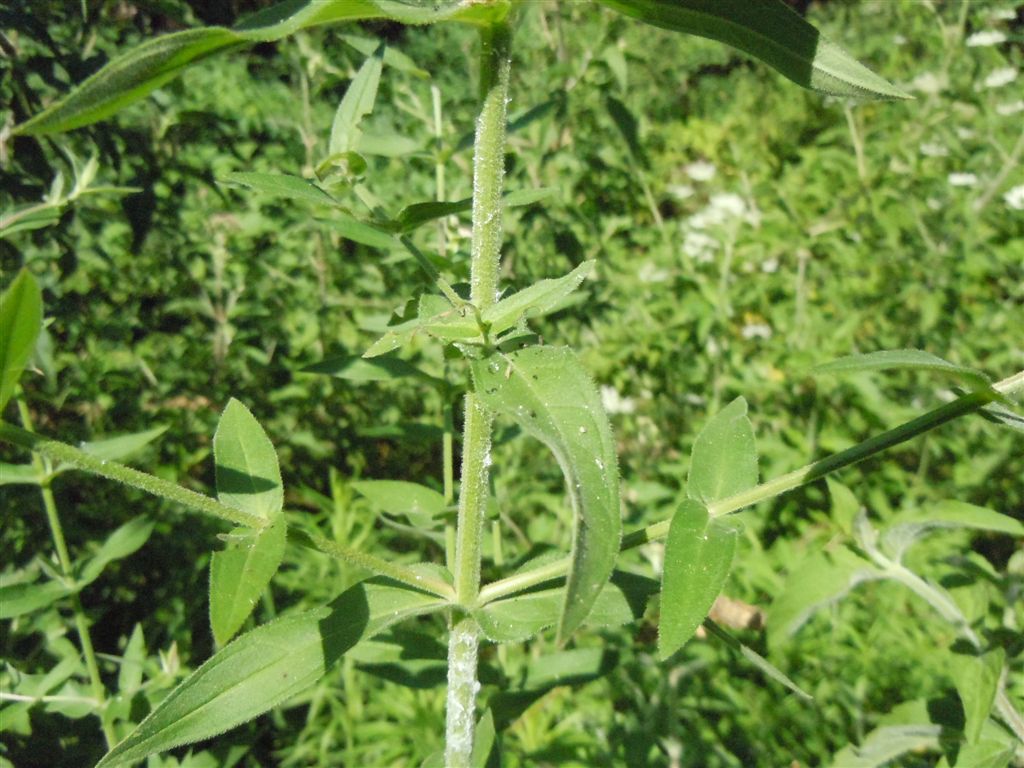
(488, 175)
(777, 486)
(112, 470)
(92, 666)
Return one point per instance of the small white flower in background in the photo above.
(756, 331)
(701, 170)
(1010, 108)
(729, 204)
(700, 246)
(614, 403)
(681, 191)
(1003, 14)
(962, 179)
(997, 78)
(899, 40)
(985, 38)
(929, 82)
(1014, 197)
(770, 265)
(934, 149)
(651, 273)
(965, 133)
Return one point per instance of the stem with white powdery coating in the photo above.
(488, 173)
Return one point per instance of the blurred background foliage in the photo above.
(745, 230)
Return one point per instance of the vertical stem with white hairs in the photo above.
(488, 175)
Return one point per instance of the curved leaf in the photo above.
(698, 556)
(268, 665)
(549, 395)
(240, 573)
(724, 456)
(136, 73)
(21, 320)
(771, 32)
(248, 476)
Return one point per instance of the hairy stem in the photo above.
(488, 175)
(43, 471)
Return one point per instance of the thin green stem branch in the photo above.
(819, 469)
(964, 405)
(112, 470)
(488, 176)
(92, 666)
(62, 453)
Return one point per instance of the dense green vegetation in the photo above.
(743, 230)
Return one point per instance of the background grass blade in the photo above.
(905, 360)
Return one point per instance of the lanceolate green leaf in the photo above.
(361, 370)
(14, 474)
(356, 104)
(240, 573)
(399, 497)
(248, 476)
(537, 300)
(268, 665)
(124, 541)
(283, 185)
(21, 320)
(19, 599)
(977, 680)
(905, 529)
(122, 447)
(698, 556)
(132, 75)
(549, 395)
(771, 32)
(724, 456)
